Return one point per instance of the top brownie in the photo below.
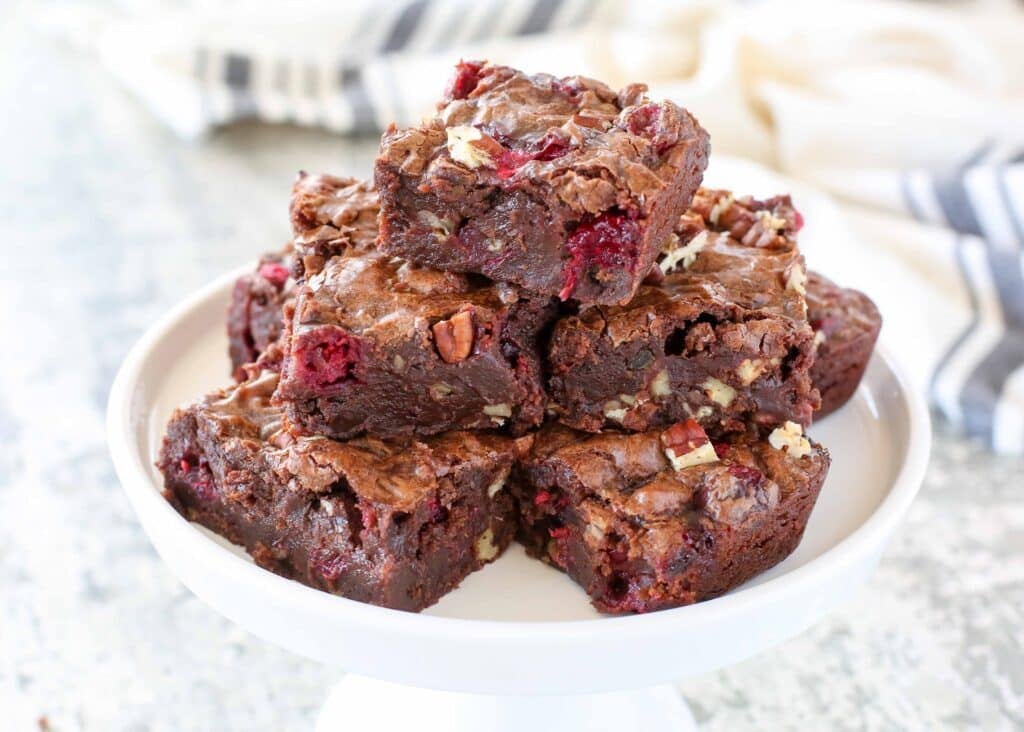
(560, 185)
(330, 215)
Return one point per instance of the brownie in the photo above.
(651, 520)
(330, 215)
(719, 333)
(846, 325)
(255, 318)
(560, 185)
(380, 346)
(396, 525)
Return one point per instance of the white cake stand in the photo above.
(517, 646)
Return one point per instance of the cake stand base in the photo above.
(358, 703)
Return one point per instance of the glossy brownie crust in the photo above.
(562, 186)
(719, 334)
(383, 347)
(638, 535)
(330, 215)
(392, 525)
(255, 318)
(846, 325)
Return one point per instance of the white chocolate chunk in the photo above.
(442, 228)
(698, 456)
(819, 338)
(498, 410)
(614, 411)
(791, 437)
(659, 385)
(494, 488)
(722, 205)
(749, 370)
(685, 255)
(485, 547)
(797, 280)
(719, 392)
(462, 149)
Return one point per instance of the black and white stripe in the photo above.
(367, 90)
(979, 383)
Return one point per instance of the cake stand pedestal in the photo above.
(358, 703)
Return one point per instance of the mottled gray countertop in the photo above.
(106, 221)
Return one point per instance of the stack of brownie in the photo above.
(534, 324)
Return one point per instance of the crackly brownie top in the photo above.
(678, 472)
(331, 215)
(738, 257)
(839, 314)
(242, 419)
(388, 299)
(595, 148)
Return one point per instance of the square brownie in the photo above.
(560, 185)
(652, 520)
(719, 333)
(397, 525)
(330, 215)
(255, 313)
(846, 324)
(379, 346)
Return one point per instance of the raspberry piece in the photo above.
(274, 273)
(328, 564)
(549, 147)
(721, 449)
(559, 532)
(566, 86)
(436, 511)
(326, 355)
(610, 240)
(541, 498)
(199, 476)
(467, 76)
(798, 218)
(750, 477)
(646, 121)
(510, 161)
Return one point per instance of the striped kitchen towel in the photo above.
(912, 116)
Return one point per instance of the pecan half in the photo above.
(454, 337)
(686, 444)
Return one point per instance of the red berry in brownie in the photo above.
(559, 532)
(275, 273)
(609, 240)
(749, 477)
(465, 79)
(325, 356)
(648, 121)
(327, 563)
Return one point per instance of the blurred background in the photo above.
(146, 148)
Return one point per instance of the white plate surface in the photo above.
(502, 630)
